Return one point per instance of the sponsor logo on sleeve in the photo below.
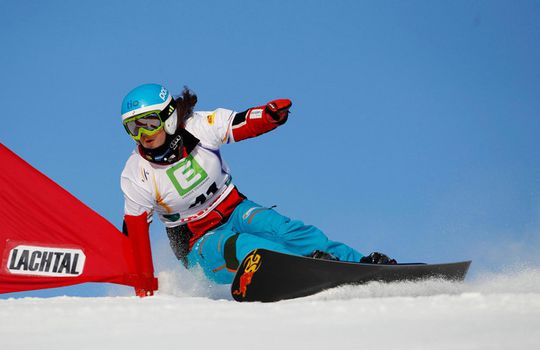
(211, 118)
(46, 261)
(255, 114)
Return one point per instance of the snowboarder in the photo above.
(177, 172)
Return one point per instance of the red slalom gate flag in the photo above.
(48, 238)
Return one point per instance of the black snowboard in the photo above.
(265, 275)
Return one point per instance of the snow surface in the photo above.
(498, 311)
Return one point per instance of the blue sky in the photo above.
(415, 125)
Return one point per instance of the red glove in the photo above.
(259, 120)
(278, 110)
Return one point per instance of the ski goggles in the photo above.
(148, 123)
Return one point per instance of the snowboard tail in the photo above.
(266, 276)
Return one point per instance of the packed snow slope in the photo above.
(490, 312)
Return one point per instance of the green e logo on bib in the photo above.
(186, 175)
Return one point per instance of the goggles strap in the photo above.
(167, 111)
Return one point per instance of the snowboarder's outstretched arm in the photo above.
(259, 120)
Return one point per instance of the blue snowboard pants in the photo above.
(258, 227)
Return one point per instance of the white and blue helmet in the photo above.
(151, 97)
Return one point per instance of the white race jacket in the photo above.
(189, 189)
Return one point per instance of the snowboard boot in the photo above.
(377, 258)
(319, 254)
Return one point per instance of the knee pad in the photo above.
(229, 253)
